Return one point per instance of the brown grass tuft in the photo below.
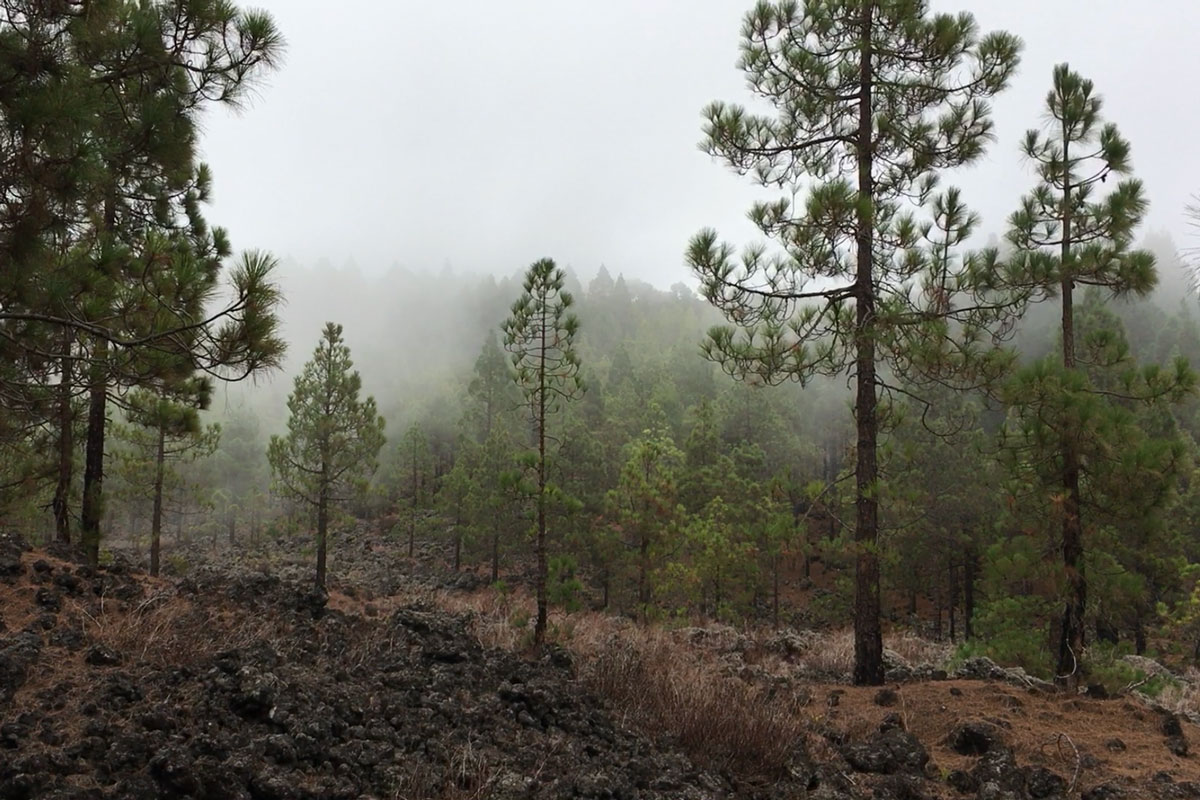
(163, 631)
(661, 687)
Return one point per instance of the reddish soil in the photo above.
(1053, 731)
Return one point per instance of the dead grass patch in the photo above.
(659, 686)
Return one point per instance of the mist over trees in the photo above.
(895, 414)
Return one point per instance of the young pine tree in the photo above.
(873, 100)
(1076, 229)
(333, 438)
(644, 507)
(244, 479)
(540, 335)
(165, 428)
(491, 388)
(415, 471)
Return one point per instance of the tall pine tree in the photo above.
(540, 335)
(873, 100)
(1076, 229)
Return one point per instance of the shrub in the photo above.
(564, 589)
(1006, 636)
(719, 720)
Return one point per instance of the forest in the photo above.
(886, 413)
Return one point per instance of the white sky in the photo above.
(490, 134)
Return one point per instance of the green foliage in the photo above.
(113, 278)
(177, 565)
(1006, 635)
(644, 509)
(333, 438)
(868, 270)
(1105, 667)
(540, 334)
(1079, 442)
(565, 589)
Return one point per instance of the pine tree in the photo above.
(873, 99)
(456, 490)
(110, 259)
(490, 387)
(333, 438)
(1075, 229)
(415, 471)
(540, 335)
(243, 470)
(165, 429)
(644, 506)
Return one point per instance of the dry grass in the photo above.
(658, 685)
(915, 650)
(163, 631)
(503, 621)
(832, 652)
(472, 779)
(1181, 698)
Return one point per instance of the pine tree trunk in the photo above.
(66, 451)
(412, 520)
(868, 638)
(495, 555)
(953, 604)
(1071, 641)
(775, 590)
(1106, 632)
(231, 525)
(160, 460)
(539, 631)
(92, 509)
(717, 593)
(970, 568)
(457, 550)
(644, 576)
(322, 533)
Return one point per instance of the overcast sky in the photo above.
(489, 134)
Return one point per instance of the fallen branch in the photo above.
(1078, 760)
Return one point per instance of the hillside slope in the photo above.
(229, 683)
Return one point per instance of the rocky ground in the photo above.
(246, 683)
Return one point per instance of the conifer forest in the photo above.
(875, 476)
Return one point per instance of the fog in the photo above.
(486, 135)
(408, 156)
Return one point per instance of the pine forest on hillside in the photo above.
(884, 414)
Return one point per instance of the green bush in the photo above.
(564, 588)
(1008, 634)
(1104, 666)
(176, 565)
